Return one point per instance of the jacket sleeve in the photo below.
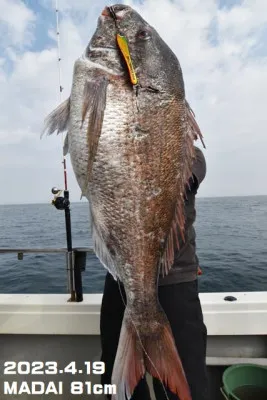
(199, 170)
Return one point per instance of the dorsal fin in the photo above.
(176, 234)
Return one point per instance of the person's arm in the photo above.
(198, 170)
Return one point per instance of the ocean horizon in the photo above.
(85, 201)
(231, 245)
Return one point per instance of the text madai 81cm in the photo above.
(56, 388)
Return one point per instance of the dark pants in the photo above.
(182, 307)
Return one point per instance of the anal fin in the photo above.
(102, 253)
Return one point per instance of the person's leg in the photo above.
(111, 316)
(183, 309)
(112, 311)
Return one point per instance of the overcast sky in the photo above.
(222, 48)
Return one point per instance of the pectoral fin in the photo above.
(94, 105)
(66, 145)
(58, 119)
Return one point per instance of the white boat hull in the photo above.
(49, 328)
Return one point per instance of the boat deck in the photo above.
(48, 328)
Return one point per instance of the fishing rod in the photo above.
(63, 203)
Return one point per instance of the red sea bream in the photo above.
(132, 152)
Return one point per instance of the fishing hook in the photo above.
(113, 15)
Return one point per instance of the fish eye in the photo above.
(143, 34)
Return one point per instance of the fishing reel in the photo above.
(60, 202)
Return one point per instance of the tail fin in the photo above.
(156, 354)
(163, 362)
(129, 365)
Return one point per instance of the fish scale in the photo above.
(110, 167)
(135, 225)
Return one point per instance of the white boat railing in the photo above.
(75, 265)
(236, 321)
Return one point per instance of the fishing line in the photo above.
(142, 346)
(60, 91)
(124, 49)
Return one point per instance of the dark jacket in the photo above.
(185, 267)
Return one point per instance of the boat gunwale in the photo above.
(53, 314)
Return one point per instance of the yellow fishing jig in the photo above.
(123, 46)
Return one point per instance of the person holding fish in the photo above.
(131, 139)
(178, 296)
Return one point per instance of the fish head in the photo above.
(103, 48)
(155, 64)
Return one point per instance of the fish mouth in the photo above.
(116, 13)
